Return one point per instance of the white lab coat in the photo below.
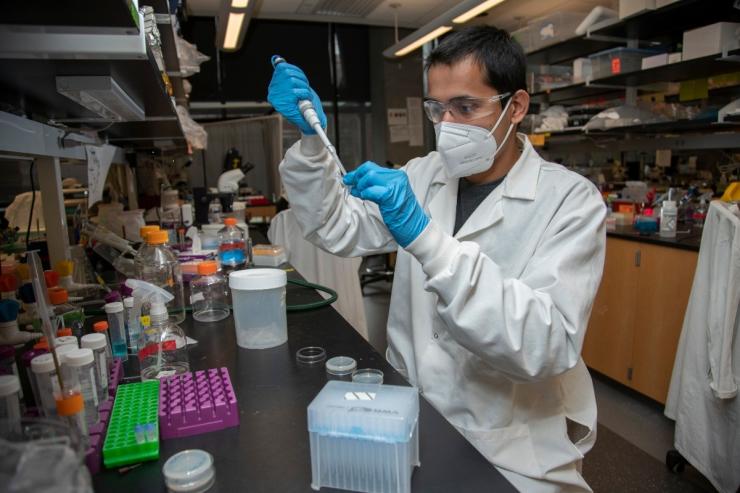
(488, 324)
(702, 398)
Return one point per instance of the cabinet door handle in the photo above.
(638, 258)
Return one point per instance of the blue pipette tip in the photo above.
(276, 59)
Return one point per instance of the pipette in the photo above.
(312, 118)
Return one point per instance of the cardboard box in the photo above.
(654, 61)
(631, 7)
(710, 40)
(675, 57)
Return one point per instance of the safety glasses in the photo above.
(462, 109)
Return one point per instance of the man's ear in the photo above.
(519, 106)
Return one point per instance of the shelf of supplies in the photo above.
(698, 68)
(33, 84)
(159, 6)
(564, 131)
(676, 18)
(111, 16)
(576, 93)
(670, 127)
(567, 50)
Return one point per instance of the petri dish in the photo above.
(189, 471)
(340, 367)
(367, 375)
(311, 355)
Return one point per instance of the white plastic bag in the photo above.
(195, 134)
(190, 57)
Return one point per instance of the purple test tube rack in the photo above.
(195, 403)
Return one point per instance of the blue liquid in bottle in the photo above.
(120, 350)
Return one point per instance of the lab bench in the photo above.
(638, 312)
(269, 451)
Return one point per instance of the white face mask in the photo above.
(467, 149)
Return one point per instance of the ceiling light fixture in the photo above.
(423, 40)
(233, 26)
(476, 11)
(239, 4)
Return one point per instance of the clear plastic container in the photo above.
(368, 375)
(340, 368)
(83, 362)
(10, 404)
(189, 471)
(364, 437)
(66, 314)
(548, 30)
(209, 294)
(258, 300)
(44, 372)
(232, 246)
(157, 264)
(70, 405)
(97, 343)
(133, 325)
(617, 61)
(163, 349)
(66, 341)
(117, 329)
(102, 328)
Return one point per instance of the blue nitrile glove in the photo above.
(288, 86)
(391, 190)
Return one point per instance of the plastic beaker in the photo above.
(258, 299)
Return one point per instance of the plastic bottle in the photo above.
(66, 340)
(700, 214)
(158, 265)
(70, 405)
(133, 325)
(97, 343)
(668, 219)
(117, 329)
(232, 246)
(214, 211)
(102, 328)
(10, 405)
(163, 349)
(83, 362)
(44, 372)
(208, 294)
(67, 315)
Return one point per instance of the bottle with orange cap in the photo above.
(66, 314)
(157, 264)
(232, 246)
(70, 403)
(209, 295)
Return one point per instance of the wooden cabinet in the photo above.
(638, 313)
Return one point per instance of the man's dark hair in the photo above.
(499, 55)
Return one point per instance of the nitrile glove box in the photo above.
(364, 437)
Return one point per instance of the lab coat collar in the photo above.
(520, 183)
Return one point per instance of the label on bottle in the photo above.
(196, 297)
(146, 321)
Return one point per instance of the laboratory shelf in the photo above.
(671, 127)
(111, 17)
(673, 18)
(575, 47)
(577, 93)
(698, 68)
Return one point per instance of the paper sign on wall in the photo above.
(99, 159)
(663, 158)
(398, 133)
(397, 116)
(416, 129)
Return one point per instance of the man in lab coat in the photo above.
(500, 254)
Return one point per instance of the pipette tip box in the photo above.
(135, 404)
(195, 403)
(364, 437)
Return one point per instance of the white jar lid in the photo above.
(79, 357)
(114, 307)
(42, 363)
(9, 384)
(128, 302)
(189, 471)
(66, 341)
(94, 341)
(257, 279)
(62, 350)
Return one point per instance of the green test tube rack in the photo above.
(135, 404)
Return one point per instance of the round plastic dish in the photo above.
(340, 367)
(189, 471)
(368, 375)
(311, 355)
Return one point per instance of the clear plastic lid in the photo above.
(95, 340)
(386, 413)
(189, 471)
(368, 375)
(341, 365)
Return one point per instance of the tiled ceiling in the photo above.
(510, 15)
